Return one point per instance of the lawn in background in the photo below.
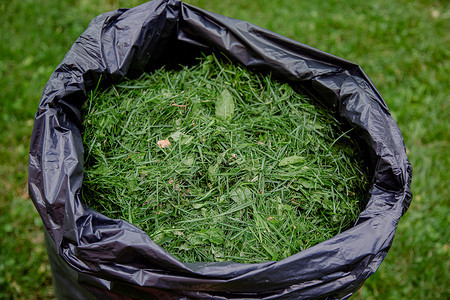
(401, 45)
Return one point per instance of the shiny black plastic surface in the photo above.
(94, 256)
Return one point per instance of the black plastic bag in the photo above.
(93, 256)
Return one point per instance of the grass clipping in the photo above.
(217, 163)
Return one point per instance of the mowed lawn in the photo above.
(403, 46)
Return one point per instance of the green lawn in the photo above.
(403, 46)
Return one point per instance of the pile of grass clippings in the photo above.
(217, 163)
